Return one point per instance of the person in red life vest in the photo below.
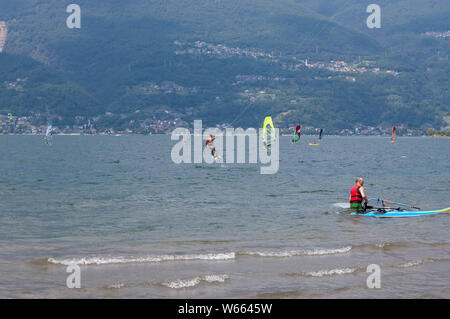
(357, 195)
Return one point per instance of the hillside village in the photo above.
(287, 63)
(33, 125)
(442, 35)
(26, 125)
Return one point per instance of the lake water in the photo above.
(141, 226)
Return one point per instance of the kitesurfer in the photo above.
(209, 143)
(357, 195)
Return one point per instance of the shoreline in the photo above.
(168, 134)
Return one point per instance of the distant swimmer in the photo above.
(357, 195)
(210, 144)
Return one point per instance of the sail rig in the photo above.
(297, 134)
(268, 132)
(320, 137)
(48, 134)
(393, 137)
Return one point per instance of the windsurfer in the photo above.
(357, 195)
(297, 134)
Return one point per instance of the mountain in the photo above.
(30, 86)
(402, 21)
(231, 61)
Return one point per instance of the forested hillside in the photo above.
(233, 61)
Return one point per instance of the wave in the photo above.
(115, 286)
(39, 262)
(384, 245)
(292, 253)
(326, 272)
(147, 259)
(176, 284)
(395, 245)
(438, 244)
(187, 283)
(392, 245)
(96, 260)
(299, 294)
(419, 262)
(412, 263)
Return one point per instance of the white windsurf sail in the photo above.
(48, 133)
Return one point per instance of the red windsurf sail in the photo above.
(393, 138)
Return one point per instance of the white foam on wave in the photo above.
(292, 253)
(342, 205)
(147, 259)
(331, 272)
(414, 263)
(421, 262)
(332, 251)
(96, 260)
(116, 286)
(186, 283)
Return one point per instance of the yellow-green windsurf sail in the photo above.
(268, 131)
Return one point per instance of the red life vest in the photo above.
(355, 195)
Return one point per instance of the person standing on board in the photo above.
(357, 195)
